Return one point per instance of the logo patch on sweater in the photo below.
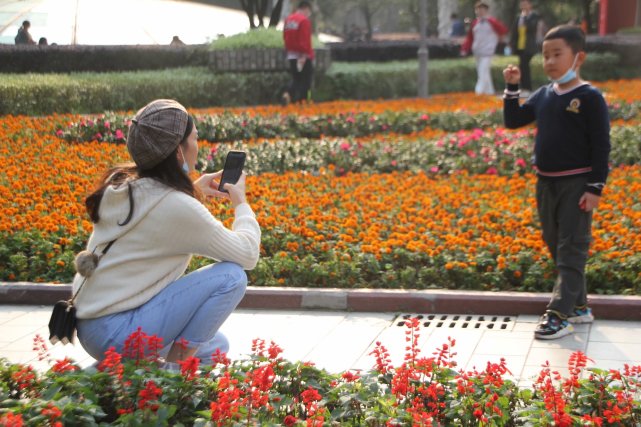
(574, 106)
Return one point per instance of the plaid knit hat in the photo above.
(155, 132)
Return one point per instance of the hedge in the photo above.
(38, 94)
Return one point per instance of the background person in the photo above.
(23, 36)
(297, 33)
(175, 41)
(457, 28)
(571, 152)
(482, 38)
(148, 222)
(523, 40)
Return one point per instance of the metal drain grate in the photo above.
(460, 321)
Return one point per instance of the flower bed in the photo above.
(411, 206)
(128, 388)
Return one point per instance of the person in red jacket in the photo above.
(481, 40)
(297, 33)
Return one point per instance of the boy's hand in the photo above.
(589, 201)
(512, 74)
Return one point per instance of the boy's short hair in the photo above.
(572, 34)
(481, 4)
(305, 5)
(26, 24)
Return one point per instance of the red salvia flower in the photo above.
(290, 420)
(220, 358)
(40, 347)
(11, 420)
(189, 367)
(350, 377)
(151, 393)
(382, 357)
(64, 365)
(25, 378)
(112, 363)
(52, 412)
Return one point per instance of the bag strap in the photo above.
(104, 251)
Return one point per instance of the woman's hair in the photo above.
(168, 172)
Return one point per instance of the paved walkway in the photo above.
(119, 21)
(340, 340)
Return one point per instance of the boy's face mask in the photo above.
(569, 74)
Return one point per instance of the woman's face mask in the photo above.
(185, 166)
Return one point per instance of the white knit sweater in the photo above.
(155, 247)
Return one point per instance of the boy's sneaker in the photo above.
(551, 327)
(581, 315)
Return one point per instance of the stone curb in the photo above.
(613, 307)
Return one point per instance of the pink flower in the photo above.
(520, 163)
(434, 169)
(97, 136)
(350, 119)
(107, 124)
(425, 117)
(491, 171)
(393, 163)
(59, 132)
(345, 146)
(471, 154)
(119, 134)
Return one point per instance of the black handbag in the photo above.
(62, 324)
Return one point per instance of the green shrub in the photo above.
(37, 94)
(267, 38)
(398, 79)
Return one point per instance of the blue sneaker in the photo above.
(551, 327)
(581, 315)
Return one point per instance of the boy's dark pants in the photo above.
(301, 80)
(567, 233)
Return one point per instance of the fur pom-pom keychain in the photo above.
(86, 263)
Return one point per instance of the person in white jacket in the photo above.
(482, 38)
(148, 221)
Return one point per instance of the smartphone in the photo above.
(234, 163)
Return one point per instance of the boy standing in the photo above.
(571, 160)
(482, 38)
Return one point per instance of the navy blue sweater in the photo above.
(573, 131)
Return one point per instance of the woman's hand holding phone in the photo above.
(208, 184)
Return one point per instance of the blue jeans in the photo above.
(192, 308)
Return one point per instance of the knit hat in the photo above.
(155, 132)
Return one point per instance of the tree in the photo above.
(257, 9)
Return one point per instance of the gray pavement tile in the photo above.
(616, 331)
(342, 348)
(556, 356)
(503, 345)
(297, 333)
(575, 341)
(613, 350)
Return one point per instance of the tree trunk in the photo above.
(249, 6)
(445, 10)
(262, 11)
(368, 20)
(587, 15)
(276, 12)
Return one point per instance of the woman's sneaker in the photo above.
(581, 315)
(551, 327)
